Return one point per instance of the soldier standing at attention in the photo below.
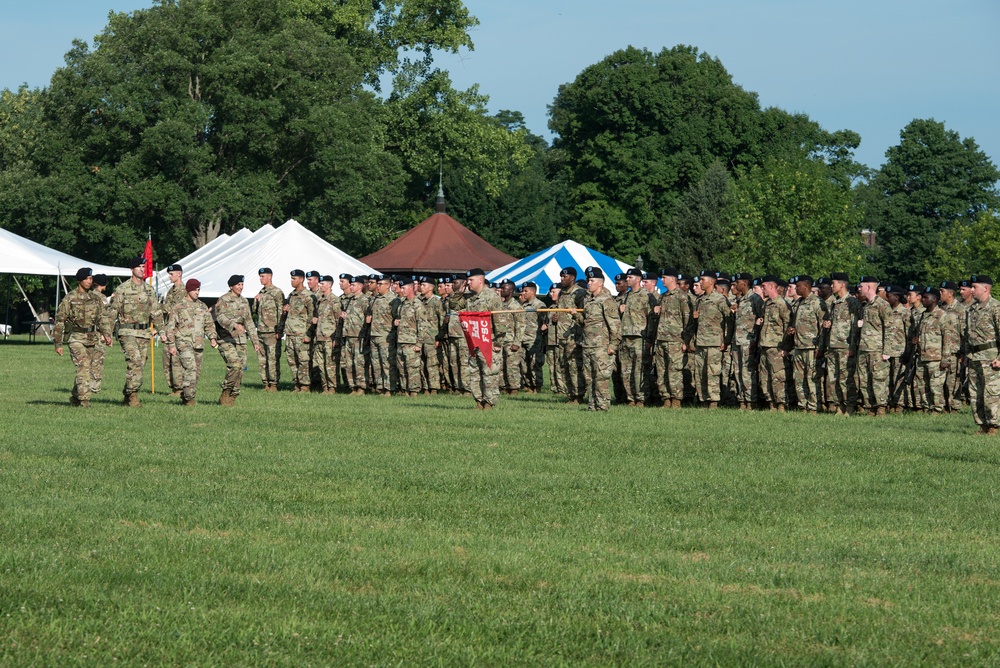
(896, 330)
(458, 347)
(933, 339)
(841, 355)
(299, 312)
(553, 351)
(79, 322)
(710, 325)
(269, 304)
(601, 327)
(773, 328)
(953, 389)
(408, 347)
(746, 309)
(673, 314)
(982, 346)
(808, 314)
(571, 296)
(634, 312)
(327, 340)
(234, 324)
(135, 308)
(533, 339)
(188, 325)
(484, 378)
(381, 315)
(172, 369)
(513, 351)
(97, 365)
(352, 355)
(873, 360)
(431, 322)
(621, 293)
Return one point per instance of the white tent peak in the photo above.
(24, 256)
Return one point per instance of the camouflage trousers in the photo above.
(352, 361)
(986, 380)
(97, 367)
(872, 379)
(772, 375)
(136, 351)
(896, 370)
(325, 357)
(597, 365)
(510, 375)
(531, 365)
(808, 390)
(189, 359)
(484, 379)
(971, 386)
(931, 379)
(430, 370)
(668, 358)
(556, 384)
(742, 382)
(633, 378)
(270, 358)
(408, 356)
(297, 354)
(571, 361)
(86, 360)
(172, 370)
(385, 375)
(235, 357)
(708, 373)
(457, 354)
(840, 387)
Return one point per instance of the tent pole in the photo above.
(6, 320)
(31, 306)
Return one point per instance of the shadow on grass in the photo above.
(964, 457)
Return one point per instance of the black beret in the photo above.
(475, 272)
(913, 287)
(83, 273)
(298, 273)
(981, 278)
(722, 277)
(893, 290)
(373, 277)
(101, 279)
(707, 272)
(594, 272)
(360, 278)
(634, 271)
(867, 279)
(743, 276)
(264, 270)
(326, 278)
(650, 276)
(174, 267)
(965, 283)
(405, 280)
(312, 274)
(345, 277)
(494, 285)
(509, 282)
(806, 278)
(137, 261)
(757, 281)
(782, 283)
(929, 290)
(950, 285)
(446, 280)
(668, 271)
(568, 271)
(840, 276)
(529, 284)
(235, 279)
(768, 278)
(823, 280)
(619, 278)
(683, 277)
(793, 279)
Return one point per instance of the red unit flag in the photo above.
(478, 330)
(148, 254)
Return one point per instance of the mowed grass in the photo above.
(314, 530)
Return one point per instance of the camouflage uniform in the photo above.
(299, 326)
(568, 332)
(952, 384)
(269, 310)
(601, 336)
(807, 315)
(982, 337)
(710, 331)
(872, 371)
(935, 333)
(510, 374)
(484, 378)
(80, 322)
(533, 345)
(914, 393)
(172, 368)
(841, 359)
(553, 352)
(188, 325)
(458, 348)
(382, 341)
(408, 346)
(671, 337)
(352, 356)
(327, 341)
(635, 312)
(895, 347)
(772, 344)
(749, 307)
(431, 319)
(229, 311)
(135, 309)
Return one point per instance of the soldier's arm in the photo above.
(614, 326)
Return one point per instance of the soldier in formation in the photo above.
(80, 323)
(135, 310)
(189, 324)
(234, 326)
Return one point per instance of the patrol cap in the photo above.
(949, 285)
(634, 271)
(568, 271)
(619, 278)
(981, 278)
(264, 270)
(669, 271)
(840, 276)
(235, 279)
(529, 285)
(867, 279)
(137, 261)
(298, 273)
(930, 290)
(312, 274)
(743, 276)
(769, 278)
(478, 272)
(326, 278)
(594, 272)
(804, 278)
(83, 273)
(360, 278)
(174, 267)
(101, 279)
(192, 284)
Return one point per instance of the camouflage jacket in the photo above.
(843, 317)
(488, 300)
(808, 315)
(175, 295)
(191, 322)
(269, 309)
(453, 326)
(567, 327)
(600, 322)
(533, 333)
(936, 335)
(383, 310)
(301, 311)
(232, 310)
(355, 309)
(636, 311)
(982, 331)
(517, 320)
(957, 309)
(710, 328)
(875, 315)
(675, 313)
(327, 317)
(80, 318)
(749, 307)
(896, 330)
(432, 314)
(409, 316)
(777, 317)
(134, 304)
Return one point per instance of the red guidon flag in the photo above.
(148, 254)
(478, 329)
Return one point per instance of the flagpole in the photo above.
(152, 332)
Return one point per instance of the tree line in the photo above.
(193, 118)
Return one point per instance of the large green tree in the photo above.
(931, 180)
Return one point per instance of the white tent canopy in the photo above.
(283, 248)
(23, 256)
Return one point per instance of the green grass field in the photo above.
(297, 530)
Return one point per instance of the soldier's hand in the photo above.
(173, 351)
(305, 339)
(257, 298)
(368, 319)
(944, 365)
(59, 351)
(995, 364)
(759, 321)
(215, 344)
(784, 353)
(514, 347)
(544, 327)
(791, 331)
(257, 349)
(722, 348)
(695, 314)
(284, 309)
(732, 308)
(315, 320)
(416, 349)
(239, 329)
(656, 310)
(437, 344)
(827, 324)
(621, 308)
(555, 317)
(107, 340)
(885, 358)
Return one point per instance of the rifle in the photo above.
(905, 379)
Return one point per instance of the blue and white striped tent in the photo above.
(543, 267)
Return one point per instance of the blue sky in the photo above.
(870, 66)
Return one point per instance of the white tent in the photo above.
(283, 248)
(23, 256)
